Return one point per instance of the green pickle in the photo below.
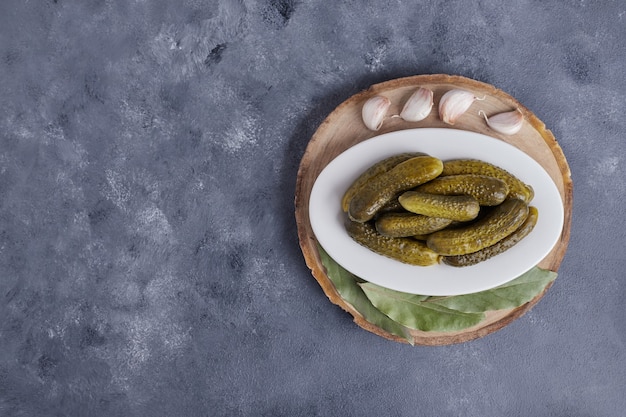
(408, 224)
(373, 171)
(503, 220)
(380, 190)
(517, 188)
(489, 191)
(403, 249)
(499, 247)
(453, 207)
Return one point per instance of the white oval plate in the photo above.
(327, 217)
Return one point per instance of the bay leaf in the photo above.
(414, 312)
(348, 288)
(396, 312)
(509, 295)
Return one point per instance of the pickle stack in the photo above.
(419, 210)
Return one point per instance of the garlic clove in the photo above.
(507, 123)
(453, 104)
(374, 111)
(418, 106)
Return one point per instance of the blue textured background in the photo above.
(149, 263)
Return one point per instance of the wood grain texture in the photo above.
(344, 128)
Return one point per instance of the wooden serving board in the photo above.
(344, 128)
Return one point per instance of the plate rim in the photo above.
(436, 280)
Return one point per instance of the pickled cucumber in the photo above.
(408, 224)
(503, 220)
(517, 188)
(381, 189)
(453, 207)
(373, 171)
(489, 191)
(499, 247)
(402, 249)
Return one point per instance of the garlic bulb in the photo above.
(418, 106)
(374, 111)
(508, 123)
(454, 103)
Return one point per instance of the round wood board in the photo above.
(344, 128)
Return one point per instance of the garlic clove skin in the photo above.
(507, 123)
(418, 106)
(374, 111)
(453, 104)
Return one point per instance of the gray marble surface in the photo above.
(149, 262)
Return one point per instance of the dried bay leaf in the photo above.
(412, 311)
(350, 291)
(397, 312)
(509, 295)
